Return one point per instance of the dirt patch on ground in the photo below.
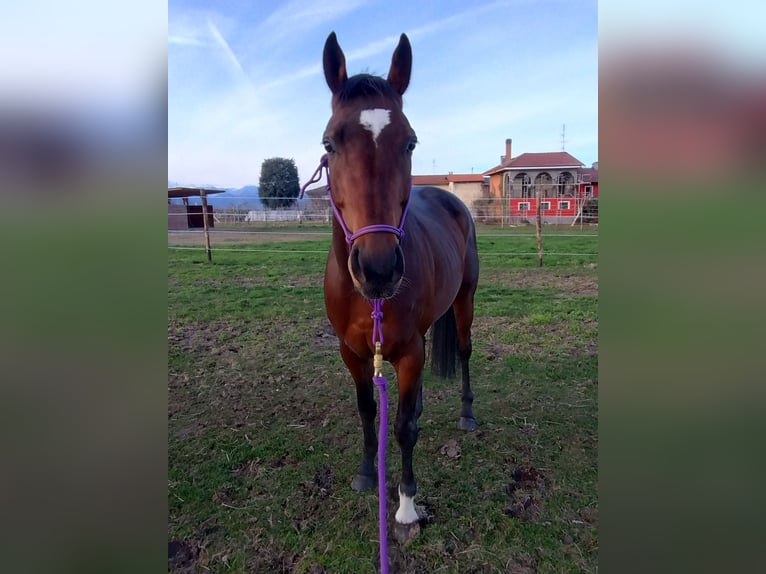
(222, 237)
(499, 337)
(307, 280)
(590, 515)
(215, 339)
(325, 337)
(314, 492)
(182, 554)
(565, 282)
(526, 491)
(322, 484)
(193, 556)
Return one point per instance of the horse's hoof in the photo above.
(363, 482)
(467, 424)
(406, 533)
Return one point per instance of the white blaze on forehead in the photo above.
(406, 513)
(375, 120)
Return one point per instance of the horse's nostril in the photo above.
(399, 265)
(356, 266)
(379, 269)
(376, 273)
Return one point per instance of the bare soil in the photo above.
(197, 238)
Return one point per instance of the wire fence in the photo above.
(286, 241)
(256, 229)
(558, 210)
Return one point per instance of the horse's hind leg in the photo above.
(362, 370)
(463, 307)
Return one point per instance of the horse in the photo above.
(411, 249)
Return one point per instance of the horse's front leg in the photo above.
(409, 372)
(361, 371)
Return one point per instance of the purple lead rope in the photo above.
(377, 342)
(380, 382)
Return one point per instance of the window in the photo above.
(565, 185)
(523, 181)
(588, 191)
(545, 181)
(545, 205)
(564, 205)
(523, 206)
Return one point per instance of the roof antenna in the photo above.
(563, 136)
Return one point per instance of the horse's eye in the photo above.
(328, 146)
(411, 145)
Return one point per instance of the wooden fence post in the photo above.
(203, 196)
(538, 225)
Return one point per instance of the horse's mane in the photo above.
(366, 85)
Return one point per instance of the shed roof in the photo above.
(191, 191)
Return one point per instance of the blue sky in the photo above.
(245, 80)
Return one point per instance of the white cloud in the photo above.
(298, 16)
(224, 45)
(185, 40)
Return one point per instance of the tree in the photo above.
(278, 185)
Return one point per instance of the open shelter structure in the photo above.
(187, 216)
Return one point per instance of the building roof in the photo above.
(553, 159)
(589, 175)
(444, 179)
(191, 191)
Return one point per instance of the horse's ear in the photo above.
(334, 64)
(401, 65)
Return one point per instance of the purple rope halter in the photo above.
(351, 237)
(377, 341)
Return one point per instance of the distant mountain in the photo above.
(244, 197)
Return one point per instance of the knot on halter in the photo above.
(377, 318)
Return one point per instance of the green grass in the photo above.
(264, 435)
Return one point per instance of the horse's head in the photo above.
(369, 144)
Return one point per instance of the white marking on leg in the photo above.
(375, 120)
(406, 513)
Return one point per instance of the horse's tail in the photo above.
(444, 345)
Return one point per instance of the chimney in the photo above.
(507, 157)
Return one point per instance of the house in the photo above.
(556, 176)
(468, 187)
(588, 181)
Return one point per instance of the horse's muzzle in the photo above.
(377, 273)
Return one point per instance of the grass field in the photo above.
(264, 435)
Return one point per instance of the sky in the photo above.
(245, 80)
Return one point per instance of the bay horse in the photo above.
(414, 249)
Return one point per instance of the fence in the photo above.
(277, 215)
(561, 243)
(500, 212)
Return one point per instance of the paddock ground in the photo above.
(264, 435)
